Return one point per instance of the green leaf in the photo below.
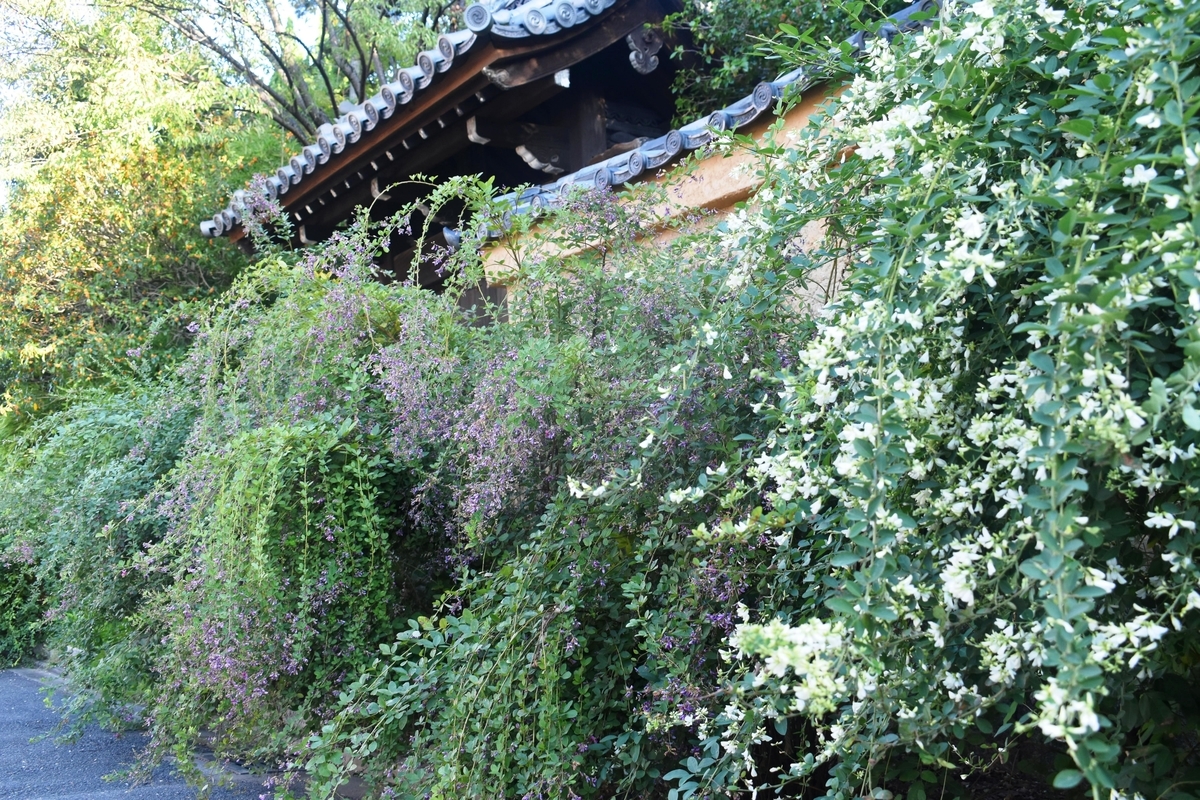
(845, 559)
(1068, 779)
(883, 612)
(1191, 418)
(1043, 362)
(840, 605)
(1033, 568)
(1081, 127)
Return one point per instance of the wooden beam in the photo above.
(513, 103)
(465, 79)
(515, 134)
(613, 28)
(532, 61)
(592, 139)
(424, 155)
(440, 147)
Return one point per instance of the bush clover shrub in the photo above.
(667, 532)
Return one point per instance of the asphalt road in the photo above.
(45, 771)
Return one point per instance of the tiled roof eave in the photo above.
(494, 21)
(509, 19)
(655, 153)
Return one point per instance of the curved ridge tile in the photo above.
(525, 18)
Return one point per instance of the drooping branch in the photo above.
(360, 85)
(431, 17)
(320, 68)
(258, 47)
(294, 77)
(279, 115)
(380, 76)
(277, 104)
(293, 74)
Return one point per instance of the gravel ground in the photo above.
(43, 770)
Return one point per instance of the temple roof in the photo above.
(507, 44)
(625, 167)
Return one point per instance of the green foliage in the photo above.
(724, 55)
(967, 529)
(288, 561)
(110, 159)
(985, 455)
(102, 266)
(726, 50)
(662, 534)
(302, 60)
(69, 477)
(19, 611)
(573, 653)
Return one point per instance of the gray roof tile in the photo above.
(516, 19)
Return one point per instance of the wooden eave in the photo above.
(422, 132)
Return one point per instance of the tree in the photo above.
(113, 137)
(303, 59)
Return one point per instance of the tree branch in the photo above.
(316, 62)
(270, 96)
(360, 85)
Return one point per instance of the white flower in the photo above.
(737, 279)
(1193, 601)
(823, 394)
(984, 9)
(896, 131)
(1051, 15)
(1061, 715)
(809, 650)
(1099, 579)
(1171, 201)
(910, 317)
(1061, 73)
(1140, 176)
(973, 225)
(958, 582)
(1165, 519)
(1148, 119)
